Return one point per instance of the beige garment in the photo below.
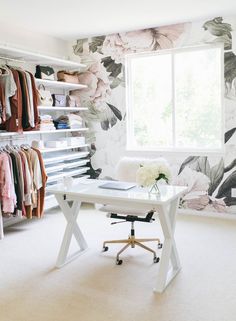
(28, 208)
(36, 173)
(41, 193)
(29, 182)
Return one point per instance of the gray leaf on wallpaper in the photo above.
(108, 123)
(116, 111)
(216, 176)
(230, 166)
(116, 82)
(229, 134)
(96, 43)
(220, 29)
(188, 161)
(202, 165)
(230, 72)
(225, 189)
(78, 48)
(113, 68)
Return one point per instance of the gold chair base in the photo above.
(132, 241)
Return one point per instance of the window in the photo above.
(174, 100)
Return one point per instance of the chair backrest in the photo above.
(127, 167)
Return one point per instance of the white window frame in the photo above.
(129, 103)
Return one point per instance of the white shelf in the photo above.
(38, 58)
(61, 166)
(48, 150)
(55, 168)
(54, 178)
(40, 132)
(59, 84)
(69, 156)
(69, 109)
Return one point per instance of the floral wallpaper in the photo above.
(209, 179)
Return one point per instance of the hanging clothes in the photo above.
(7, 188)
(14, 123)
(18, 100)
(22, 181)
(9, 85)
(38, 211)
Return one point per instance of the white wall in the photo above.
(11, 35)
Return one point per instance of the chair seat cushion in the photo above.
(123, 210)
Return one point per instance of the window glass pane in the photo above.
(150, 101)
(198, 119)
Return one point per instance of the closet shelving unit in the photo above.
(59, 84)
(68, 161)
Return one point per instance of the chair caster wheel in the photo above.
(159, 246)
(119, 262)
(105, 248)
(156, 259)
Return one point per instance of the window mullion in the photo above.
(173, 98)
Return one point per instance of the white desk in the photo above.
(88, 191)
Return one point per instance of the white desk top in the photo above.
(88, 190)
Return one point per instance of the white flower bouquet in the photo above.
(150, 174)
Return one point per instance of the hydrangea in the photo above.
(148, 174)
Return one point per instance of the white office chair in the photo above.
(126, 171)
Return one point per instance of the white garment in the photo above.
(31, 101)
(7, 81)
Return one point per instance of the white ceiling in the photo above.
(73, 19)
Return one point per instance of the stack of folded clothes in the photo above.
(75, 121)
(46, 123)
(72, 121)
(62, 122)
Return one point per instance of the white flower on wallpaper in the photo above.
(197, 196)
(195, 181)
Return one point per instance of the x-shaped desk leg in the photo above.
(169, 263)
(72, 228)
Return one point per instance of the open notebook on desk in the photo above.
(123, 186)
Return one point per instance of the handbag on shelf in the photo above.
(45, 72)
(67, 76)
(59, 100)
(45, 97)
(73, 101)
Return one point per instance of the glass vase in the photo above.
(154, 189)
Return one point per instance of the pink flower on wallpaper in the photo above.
(196, 196)
(98, 87)
(120, 44)
(217, 205)
(195, 201)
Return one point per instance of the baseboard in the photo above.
(228, 216)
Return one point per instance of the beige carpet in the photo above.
(93, 288)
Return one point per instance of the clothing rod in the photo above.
(11, 59)
(11, 138)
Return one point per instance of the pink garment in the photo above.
(7, 191)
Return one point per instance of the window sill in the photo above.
(182, 152)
